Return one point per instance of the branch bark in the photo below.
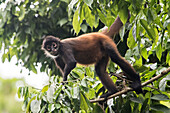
(130, 89)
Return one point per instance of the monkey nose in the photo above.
(53, 49)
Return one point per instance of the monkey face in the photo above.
(52, 48)
(51, 45)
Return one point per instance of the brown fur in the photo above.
(92, 48)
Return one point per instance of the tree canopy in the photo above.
(144, 41)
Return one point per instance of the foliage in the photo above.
(147, 36)
(8, 103)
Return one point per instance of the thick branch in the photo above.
(130, 89)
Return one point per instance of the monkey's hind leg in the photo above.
(100, 68)
(126, 67)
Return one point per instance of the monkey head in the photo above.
(51, 46)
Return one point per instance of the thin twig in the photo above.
(130, 89)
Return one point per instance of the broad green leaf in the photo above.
(21, 13)
(51, 107)
(168, 58)
(97, 109)
(84, 104)
(150, 31)
(122, 32)
(90, 18)
(123, 14)
(150, 16)
(158, 22)
(131, 41)
(45, 88)
(3, 57)
(88, 2)
(160, 107)
(91, 93)
(145, 106)
(62, 21)
(28, 105)
(136, 108)
(43, 109)
(159, 52)
(144, 53)
(160, 97)
(89, 72)
(75, 92)
(19, 92)
(57, 106)
(150, 74)
(101, 16)
(136, 100)
(84, 83)
(76, 24)
(127, 108)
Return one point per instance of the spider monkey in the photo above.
(92, 48)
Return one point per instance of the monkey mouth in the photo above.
(54, 53)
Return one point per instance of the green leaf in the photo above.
(19, 92)
(123, 14)
(160, 107)
(88, 2)
(122, 32)
(101, 16)
(33, 68)
(57, 92)
(84, 105)
(131, 41)
(57, 106)
(43, 109)
(144, 53)
(45, 88)
(127, 107)
(76, 23)
(21, 13)
(75, 92)
(145, 106)
(159, 52)
(3, 58)
(160, 97)
(150, 31)
(168, 58)
(28, 105)
(90, 18)
(136, 100)
(62, 22)
(51, 107)
(97, 109)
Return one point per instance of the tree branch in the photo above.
(127, 89)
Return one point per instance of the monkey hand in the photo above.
(137, 87)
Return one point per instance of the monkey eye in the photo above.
(54, 44)
(48, 47)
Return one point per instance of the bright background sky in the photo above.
(9, 70)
